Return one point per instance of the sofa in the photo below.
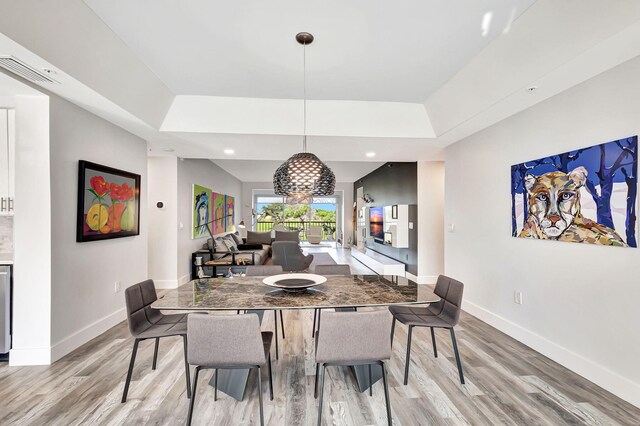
(255, 249)
(235, 250)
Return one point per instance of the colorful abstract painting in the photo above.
(229, 213)
(588, 195)
(108, 203)
(201, 211)
(219, 213)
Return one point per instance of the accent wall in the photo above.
(394, 183)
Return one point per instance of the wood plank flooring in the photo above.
(507, 383)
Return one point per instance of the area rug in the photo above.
(321, 259)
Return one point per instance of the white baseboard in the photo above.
(168, 284)
(184, 279)
(422, 279)
(82, 336)
(30, 356)
(165, 284)
(598, 374)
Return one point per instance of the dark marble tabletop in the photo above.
(251, 293)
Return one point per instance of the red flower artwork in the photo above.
(99, 185)
(121, 192)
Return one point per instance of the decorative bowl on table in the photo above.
(294, 283)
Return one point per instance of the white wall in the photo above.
(210, 175)
(32, 322)
(83, 301)
(343, 188)
(580, 301)
(430, 221)
(163, 223)
(89, 51)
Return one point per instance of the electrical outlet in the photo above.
(116, 287)
(517, 297)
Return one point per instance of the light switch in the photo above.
(517, 297)
(452, 228)
(181, 225)
(410, 225)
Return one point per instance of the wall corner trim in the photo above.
(596, 373)
(166, 284)
(184, 279)
(29, 356)
(82, 336)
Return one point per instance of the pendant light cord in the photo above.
(304, 83)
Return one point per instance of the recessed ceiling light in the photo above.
(229, 151)
(370, 154)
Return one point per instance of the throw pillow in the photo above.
(221, 250)
(230, 243)
(236, 238)
(258, 237)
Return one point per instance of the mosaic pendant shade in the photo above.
(303, 176)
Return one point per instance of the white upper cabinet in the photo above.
(396, 225)
(7, 160)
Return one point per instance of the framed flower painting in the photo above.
(108, 203)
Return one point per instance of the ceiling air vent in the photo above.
(25, 71)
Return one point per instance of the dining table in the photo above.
(250, 294)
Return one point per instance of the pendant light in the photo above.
(303, 176)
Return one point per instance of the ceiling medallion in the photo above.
(303, 176)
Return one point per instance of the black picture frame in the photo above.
(394, 211)
(123, 209)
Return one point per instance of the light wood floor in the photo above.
(507, 383)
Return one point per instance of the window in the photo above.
(271, 211)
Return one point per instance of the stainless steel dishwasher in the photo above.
(5, 311)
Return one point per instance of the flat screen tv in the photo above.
(376, 223)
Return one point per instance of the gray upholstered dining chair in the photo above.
(263, 271)
(442, 314)
(353, 338)
(148, 323)
(228, 342)
(289, 255)
(327, 270)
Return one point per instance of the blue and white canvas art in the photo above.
(583, 196)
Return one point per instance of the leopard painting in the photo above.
(554, 210)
